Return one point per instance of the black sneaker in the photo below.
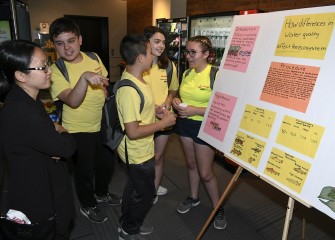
(109, 198)
(187, 204)
(220, 220)
(94, 214)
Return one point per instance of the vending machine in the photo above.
(176, 35)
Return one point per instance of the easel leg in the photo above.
(224, 195)
(303, 230)
(288, 217)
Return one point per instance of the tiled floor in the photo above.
(254, 209)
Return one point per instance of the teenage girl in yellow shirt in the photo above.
(195, 92)
(163, 94)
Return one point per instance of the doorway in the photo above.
(94, 31)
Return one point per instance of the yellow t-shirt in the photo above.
(87, 117)
(157, 78)
(195, 89)
(128, 104)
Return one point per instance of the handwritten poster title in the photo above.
(306, 36)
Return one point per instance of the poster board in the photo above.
(272, 110)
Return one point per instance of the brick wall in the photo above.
(139, 12)
(213, 6)
(139, 15)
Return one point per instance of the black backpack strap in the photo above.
(169, 72)
(93, 56)
(188, 72)
(129, 83)
(62, 68)
(212, 75)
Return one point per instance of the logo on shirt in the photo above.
(203, 87)
(98, 70)
(164, 78)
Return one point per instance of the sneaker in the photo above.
(94, 214)
(125, 236)
(161, 191)
(109, 198)
(186, 205)
(155, 200)
(144, 230)
(220, 220)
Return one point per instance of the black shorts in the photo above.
(189, 128)
(164, 132)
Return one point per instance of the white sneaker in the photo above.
(161, 191)
(155, 200)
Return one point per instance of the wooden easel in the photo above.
(289, 211)
(224, 195)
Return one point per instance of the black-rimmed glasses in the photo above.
(192, 53)
(44, 68)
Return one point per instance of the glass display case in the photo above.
(176, 35)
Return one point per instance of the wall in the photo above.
(139, 15)
(212, 6)
(140, 12)
(115, 10)
(178, 8)
(160, 9)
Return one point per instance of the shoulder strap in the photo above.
(62, 68)
(169, 71)
(93, 56)
(188, 72)
(212, 75)
(129, 83)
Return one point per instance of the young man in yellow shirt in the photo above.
(83, 95)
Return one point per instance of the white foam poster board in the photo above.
(272, 110)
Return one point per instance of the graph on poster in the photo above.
(272, 110)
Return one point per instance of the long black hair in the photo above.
(163, 60)
(15, 55)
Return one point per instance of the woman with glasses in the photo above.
(164, 83)
(195, 92)
(32, 147)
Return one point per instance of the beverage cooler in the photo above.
(176, 35)
(14, 20)
(216, 27)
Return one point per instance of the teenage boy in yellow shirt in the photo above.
(139, 139)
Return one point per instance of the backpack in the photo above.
(114, 132)
(62, 68)
(212, 75)
(169, 72)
